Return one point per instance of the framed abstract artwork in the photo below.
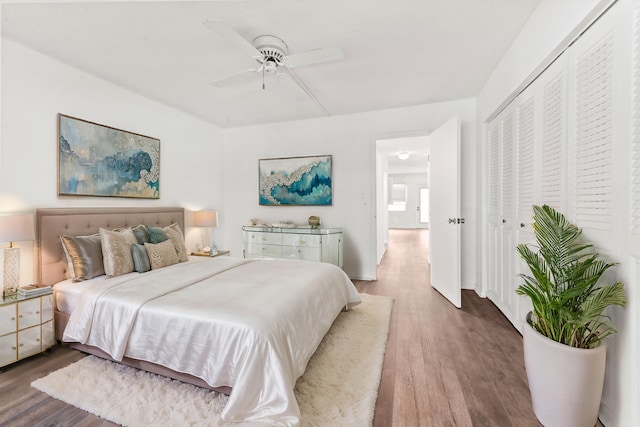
(98, 160)
(295, 181)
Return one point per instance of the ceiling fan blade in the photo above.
(302, 86)
(315, 56)
(235, 78)
(226, 33)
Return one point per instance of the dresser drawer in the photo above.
(301, 252)
(272, 251)
(301, 240)
(264, 238)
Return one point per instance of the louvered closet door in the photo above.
(552, 91)
(507, 212)
(493, 249)
(599, 141)
(592, 134)
(501, 174)
(527, 137)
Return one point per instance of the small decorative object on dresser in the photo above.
(314, 221)
(311, 244)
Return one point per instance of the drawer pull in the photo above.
(37, 339)
(13, 347)
(21, 345)
(302, 242)
(37, 312)
(13, 318)
(20, 316)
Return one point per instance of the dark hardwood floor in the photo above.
(443, 366)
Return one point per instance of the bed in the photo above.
(243, 327)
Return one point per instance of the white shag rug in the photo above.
(339, 387)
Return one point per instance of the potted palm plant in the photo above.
(563, 337)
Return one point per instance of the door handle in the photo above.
(504, 220)
(452, 220)
(522, 225)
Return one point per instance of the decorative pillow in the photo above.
(156, 235)
(84, 254)
(141, 261)
(161, 254)
(175, 235)
(116, 251)
(141, 234)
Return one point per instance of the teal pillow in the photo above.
(141, 261)
(156, 235)
(141, 234)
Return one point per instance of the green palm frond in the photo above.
(568, 301)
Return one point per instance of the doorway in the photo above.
(402, 168)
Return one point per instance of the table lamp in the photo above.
(14, 228)
(206, 220)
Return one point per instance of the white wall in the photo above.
(409, 218)
(350, 139)
(550, 23)
(35, 88)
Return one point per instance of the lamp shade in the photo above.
(16, 227)
(205, 219)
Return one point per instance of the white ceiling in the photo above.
(418, 148)
(396, 53)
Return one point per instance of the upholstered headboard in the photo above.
(51, 263)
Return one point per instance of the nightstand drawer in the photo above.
(8, 349)
(29, 342)
(29, 313)
(8, 318)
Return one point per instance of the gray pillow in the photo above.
(156, 235)
(84, 255)
(141, 261)
(141, 234)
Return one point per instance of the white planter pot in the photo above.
(565, 382)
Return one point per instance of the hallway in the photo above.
(444, 366)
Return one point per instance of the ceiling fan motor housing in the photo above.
(272, 47)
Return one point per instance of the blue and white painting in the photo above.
(296, 181)
(98, 160)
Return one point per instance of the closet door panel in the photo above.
(493, 138)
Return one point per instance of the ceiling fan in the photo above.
(272, 55)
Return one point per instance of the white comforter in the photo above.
(251, 325)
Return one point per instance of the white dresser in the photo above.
(312, 244)
(26, 326)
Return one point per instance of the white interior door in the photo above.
(444, 211)
(423, 205)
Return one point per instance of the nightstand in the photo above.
(219, 253)
(26, 326)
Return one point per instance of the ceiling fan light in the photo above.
(403, 155)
